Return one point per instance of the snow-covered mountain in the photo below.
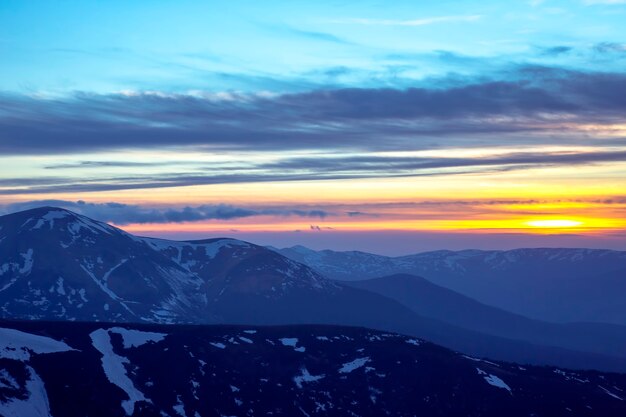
(91, 369)
(230, 266)
(57, 265)
(561, 285)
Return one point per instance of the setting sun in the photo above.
(554, 223)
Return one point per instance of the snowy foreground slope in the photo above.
(95, 369)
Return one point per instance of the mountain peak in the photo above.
(45, 211)
(54, 219)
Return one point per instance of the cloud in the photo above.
(409, 22)
(122, 214)
(318, 36)
(329, 119)
(328, 167)
(610, 47)
(398, 164)
(556, 50)
(320, 228)
(103, 164)
(359, 214)
(604, 2)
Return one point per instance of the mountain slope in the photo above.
(91, 369)
(229, 266)
(430, 300)
(561, 285)
(55, 264)
(247, 284)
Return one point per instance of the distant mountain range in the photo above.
(110, 370)
(58, 265)
(559, 285)
(433, 301)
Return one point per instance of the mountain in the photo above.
(559, 285)
(430, 300)
(58, 265)
(95, 369)
(55, 264)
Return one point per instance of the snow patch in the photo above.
(212, 249)
(60, 287)
(353, 365)
(7, 381)
(611, 394)
(493, 380)
(179, 408)
(115, 371)
(49, 218)
(18, 345)
(480, 360)
(34, 405)
(135, 338)
(305, 376)
(28, 262)
(104, 284)
(292, 341)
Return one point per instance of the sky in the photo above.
(387, 127)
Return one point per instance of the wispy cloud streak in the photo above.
(409, 22)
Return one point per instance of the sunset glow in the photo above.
(555, 223)
(332, 129)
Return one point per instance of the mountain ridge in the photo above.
(431, 300)
(556, 285)
(109, 275)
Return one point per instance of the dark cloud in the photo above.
(121, 214)
(332, 119)
(359, 214)
(556, 50)
(610, 47)
(397, 164)
(320, 228)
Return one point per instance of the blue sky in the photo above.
(321, 122)
(66, 46)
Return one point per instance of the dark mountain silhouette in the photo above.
(433, 301)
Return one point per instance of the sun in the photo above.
(554, 223)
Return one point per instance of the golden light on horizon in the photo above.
(554, 223)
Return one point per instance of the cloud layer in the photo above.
(122, 214)
(325, 167)
(534, 100)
